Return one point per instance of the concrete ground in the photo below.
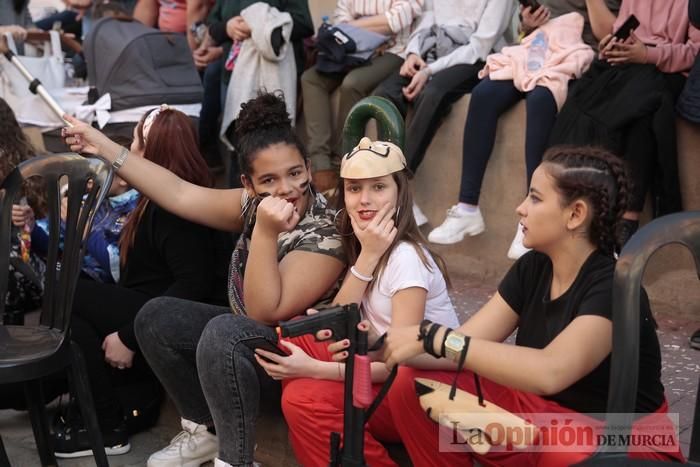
(681, 369)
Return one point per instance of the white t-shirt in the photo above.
(403, 270)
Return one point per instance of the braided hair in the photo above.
(598, 176)
(262, 122)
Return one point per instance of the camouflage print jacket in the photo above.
(315, 233)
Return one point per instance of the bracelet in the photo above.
(427, 331)
(359, 275)
(121, 158)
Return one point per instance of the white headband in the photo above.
(151, 118)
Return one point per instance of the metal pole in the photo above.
(35, 85)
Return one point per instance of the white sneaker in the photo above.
(418, 215)
(192, 447)
(517, 249)
(457, 225)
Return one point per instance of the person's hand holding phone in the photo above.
(618, 52)
(533, 18)
(298, 364)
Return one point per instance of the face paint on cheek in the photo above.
(303, 186)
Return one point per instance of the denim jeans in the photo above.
(199, 354)
(431, 106)
(490, 99)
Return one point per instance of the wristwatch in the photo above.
(454, 344)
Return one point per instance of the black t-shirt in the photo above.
(526, 288)
(171, 257)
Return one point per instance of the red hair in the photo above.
(172, 144)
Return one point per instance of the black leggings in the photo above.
(488, 101)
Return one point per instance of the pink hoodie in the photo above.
(665, 24)
(567, 57)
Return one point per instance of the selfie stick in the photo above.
(35, 85)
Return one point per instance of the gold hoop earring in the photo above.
(335, 224)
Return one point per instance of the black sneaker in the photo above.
(70, 439)
(695, 340)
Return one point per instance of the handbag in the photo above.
(344, 47)
(29, 108)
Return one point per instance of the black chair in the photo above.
(28, 353)
(682, 228)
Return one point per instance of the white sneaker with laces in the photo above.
(192, 447)
(457, 225)
(418, 215)
(517, 249)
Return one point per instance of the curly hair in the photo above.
(598, 176)
(15, 148)
(262, 122)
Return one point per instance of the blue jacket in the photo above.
(101, 260)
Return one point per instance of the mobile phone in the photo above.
(262, 343)
(624, 31)
(530, 3)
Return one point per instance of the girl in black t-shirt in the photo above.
(559, 298)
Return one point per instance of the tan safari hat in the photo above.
(370, 159)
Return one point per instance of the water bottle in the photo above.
(537, 53)
(325, 23)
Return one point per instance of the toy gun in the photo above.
(358, 403)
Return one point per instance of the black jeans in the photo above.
(489, 100)
(431, 106)
(198, 352)
(98, 310)
(211, 111)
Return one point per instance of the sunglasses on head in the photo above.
(380, 154)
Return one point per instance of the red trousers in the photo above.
(420, 435)
(314, 409)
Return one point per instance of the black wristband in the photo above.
(429, 341)
(427, 331)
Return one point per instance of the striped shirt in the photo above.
(400, 15)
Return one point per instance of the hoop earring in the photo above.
(335, 224)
